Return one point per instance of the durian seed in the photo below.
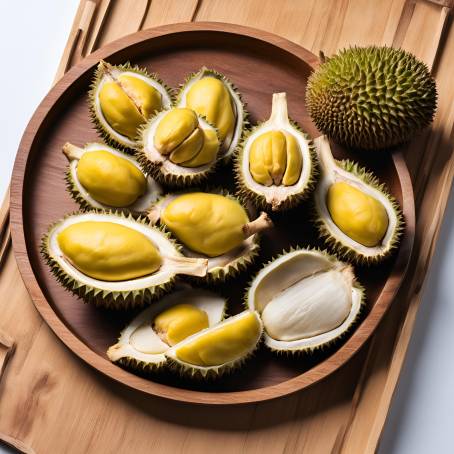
(360, 216)
(210, 98)
(178, 322)
(210, 224)
(180, 137)
(109, 251)
(108, 178)
(222, 344)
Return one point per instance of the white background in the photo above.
(32, 38)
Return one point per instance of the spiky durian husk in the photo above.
(142, 367)
(232, 269)
(232, 88)
(98, 75)
(371, 97)
(155, 168)
(346, 252)
(246, 194)
(324, 345)
(104, 298)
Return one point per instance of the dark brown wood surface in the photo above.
(259, 63)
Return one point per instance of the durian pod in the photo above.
(214, 97)
(144, 341)
(275, 167)
(214, 226)
(355, 213)
(100, 177)
(307, 300)
(113, 260)
(122, 98)
(178, 147)
(219, 349)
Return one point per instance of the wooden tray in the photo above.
(259, 64)
(49, 399)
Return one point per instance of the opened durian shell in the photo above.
(228, 147)
(276, 197)
(242, 331)
(109, 135)
(160, 167)
(225, 266)
(126, 293)
(139, 334)
(83, 197)
(349, 172)
(301, 318)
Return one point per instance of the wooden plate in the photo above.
(259, 63)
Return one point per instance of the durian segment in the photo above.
(218, 349)
(359, 218)
(214, 97)
(371, 97)
(141, 347)
(213, 223)
(275, 167)
(122, 99)
(178, 147)
(109, 180)
(306, 298)
(122, 293)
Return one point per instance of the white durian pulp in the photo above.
(314, 305)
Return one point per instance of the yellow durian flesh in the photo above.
(119, 110)
(108, 251)
(210, 98)
(147, 99)
(275, 158)
(358, 215)
(110, 179)
(179, 322)
(224, 343)
(210, 224)
(180, 136)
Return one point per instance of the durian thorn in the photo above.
(279, 112)
(154, 214)
(263, 222)
(188, 265)
(72, 151)
(324, 155)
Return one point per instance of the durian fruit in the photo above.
(102, 178)
(355, 214)
(115, 261)
(178, 147)
(218, 349)
(307, 299)
(371, 97)
(122, 98)
(212, 226)
(275, 166)
(143, 343)
(214, 97)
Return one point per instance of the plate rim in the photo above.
(341, 356)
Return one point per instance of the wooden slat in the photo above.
(56, 401)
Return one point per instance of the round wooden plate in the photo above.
(260, 64)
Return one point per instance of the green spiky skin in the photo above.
(123, 300)
(371, 97)
(98, 75)
(232, 269)
(245, 194)
(233, 88)
(324, 345)
(142, 367)
(346, 252)
(154, 169)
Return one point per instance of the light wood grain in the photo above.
(85, 414)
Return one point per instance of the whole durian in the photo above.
(371, 97)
